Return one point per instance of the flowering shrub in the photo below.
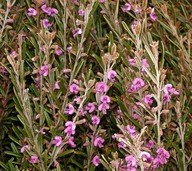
(95, 85)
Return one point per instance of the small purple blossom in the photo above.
(95, 120)
(71, 142)
(46, 23)
(105, 99)
(96, 160)
(33, 159)
(103, 107)
(101, 87)
(57, 141)
(152, 15)
(150, 144)
(24, 147)
(102, 1)
(145, 156)
(57, 87)
(70, 110)
(162, 155)
(138, 83)
(168, 88)
(58, 51)
(76, 32)
(148, 99)
(70, 128)
(166, 98)
(90, 107)
(131, 162)
(44, 70)
(131, 130)
(111, 75)
(132, 61)
(81, 12)
(32, 12)
(126, 8)
(99, 142)
(74, 88)
(50, 11)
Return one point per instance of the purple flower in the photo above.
(32, 12)
(131, 130)
(90, 107)
(148, 99)
(69, 49)
(162, 155)
(103, 107)
(99, 142)
(71, 142)
(58, 51)
(57, 141)
(81, 12)
(101, 87)
(44, 70)
(57, 87)
(166, 98)
(168, 88)
(111, 75)
(50, 11)
(126, 8)
(76, 32)
(131, 61)
(95, 120)
(70, 110)
(138, 83)
(70, 128)
(33, 159)
(150, 144)
(105, 99)
(102, 1)
(24, 147)
(96, 160)
(145, 156)
(74, 88)
(131, 161)
(46, 23)
(152, 15)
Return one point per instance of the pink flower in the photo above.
(46, 23)
(24, 147)
(74, 88)
(50, 11)
(152, 15)
(166, 98)
(131, 61)
(131, 130)
(150, 144)
(99, 142)
(71, 142)
(95, 120)
(96, 160)
(76, 32)
(135, 116)
(58, 51)
(138, 83)
(145, 156)
(103, 107)
(131, 161)
(162, 155)
(90, 107)
(44, 70)
(168, 88)
(105, 99)
(57, 87)
(111, 75)
(41, 131)
(32, 12)
(101, 87)
(70, 128)
(33, 159)
(57, 141)
(70, 110)
(69, 49)
(126, 8)
(148, 99)
(81, 12)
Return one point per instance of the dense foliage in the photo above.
(95, 85)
